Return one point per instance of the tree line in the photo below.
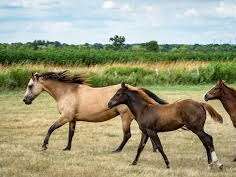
(118, 43)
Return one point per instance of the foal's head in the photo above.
(121, 97)
(216, 92)
(34, 88)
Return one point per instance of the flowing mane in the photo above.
(63, 76)
(145, 96)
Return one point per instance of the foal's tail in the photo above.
(215, 115)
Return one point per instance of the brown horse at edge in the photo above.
(227, 96)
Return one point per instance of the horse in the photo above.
(154, 118)
(73, 96)
(227, 96)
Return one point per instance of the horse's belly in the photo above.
(168, 126)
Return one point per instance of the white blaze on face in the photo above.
(28, 91)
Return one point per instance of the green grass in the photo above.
(70, 55)
(13, 77)
(22, 129)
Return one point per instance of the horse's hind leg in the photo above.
(126, 118)
(207, 141)
(72, 125)
(142, 144)
(55, 126)
(152, 134)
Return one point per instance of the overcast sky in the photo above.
(80, 21)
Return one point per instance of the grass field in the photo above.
(22, 129)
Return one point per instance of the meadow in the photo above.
(22, 129)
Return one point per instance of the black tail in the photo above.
(154, 97)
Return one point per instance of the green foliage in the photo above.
(152, 46)
(12, 78)
(85, 56)
(117, 41)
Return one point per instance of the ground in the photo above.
(22, 129)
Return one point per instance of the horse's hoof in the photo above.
(116, 151)
(210, 166)
(66, 149)
(221, 166)
(134, 163)
(44, 148)
(167, 166)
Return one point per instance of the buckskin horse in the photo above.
(227, 96)
(73, 97)
(154, 118)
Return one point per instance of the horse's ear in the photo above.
(36, 76)
(123, 85)
(32, 76)
(221, 82)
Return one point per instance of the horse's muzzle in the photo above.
(27, 101)
(110, 104)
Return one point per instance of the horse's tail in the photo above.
(154, 96)
(215, 115)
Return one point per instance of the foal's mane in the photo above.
(63, 76)
(144, 96)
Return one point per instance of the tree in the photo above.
(152, 46)
(118, 41)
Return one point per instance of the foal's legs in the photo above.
(207, 141)
(127, 117)
(61, 121)
(153, 135)
(72, 125)
(142, 143)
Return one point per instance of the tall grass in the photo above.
(17, 77)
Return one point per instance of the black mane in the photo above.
(63, 76)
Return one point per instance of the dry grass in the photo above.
(22, 129)
(188, 65)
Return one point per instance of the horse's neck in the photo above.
(57, 89)
(136, 105)
(228, 100)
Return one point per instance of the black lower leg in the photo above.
(207, 142)
(142, 143)
(70, 135)
(126, 137)
(158, 144)
(50, 130)
(154, 147)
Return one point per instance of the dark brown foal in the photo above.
(154, 118)
(227, 96)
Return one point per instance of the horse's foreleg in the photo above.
(54, 126)
(153, 135)
(126, 121)
(72, 125)
(141, 146)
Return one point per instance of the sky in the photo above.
(95, 21)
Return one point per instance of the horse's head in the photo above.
(215, 92)
(34, 88)
(120, 97)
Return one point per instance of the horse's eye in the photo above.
(30, 86)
